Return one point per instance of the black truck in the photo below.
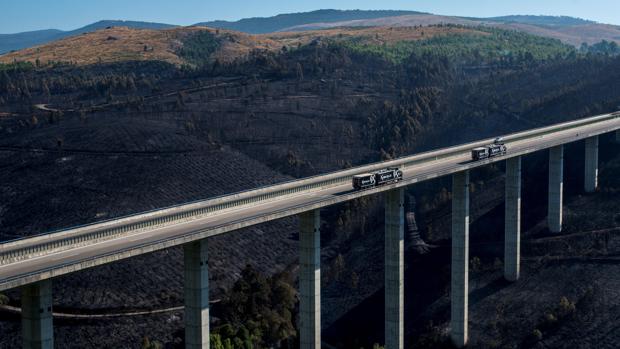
(497, 148)
(374, 179)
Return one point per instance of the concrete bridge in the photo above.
(32, 263)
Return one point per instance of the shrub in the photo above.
(475, 264)
(550, 319)
(148, 344)
(566, 307)
(4, 299)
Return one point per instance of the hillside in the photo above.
(396, 21)
(11, 42)
(570, 30)
(574, 31)
(555, 21)
(119, 44)
(196, 45)
(262, 25)
(574, 35)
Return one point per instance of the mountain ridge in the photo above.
(263, 25)
(574, 31)
(568, 29)
(17, 41)
(539, 20)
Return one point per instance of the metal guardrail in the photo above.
(83, 235)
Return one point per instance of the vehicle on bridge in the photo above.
(497, 148)
(370, 180)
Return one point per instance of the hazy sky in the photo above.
(26, 15)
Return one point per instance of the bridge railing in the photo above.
(92, 233)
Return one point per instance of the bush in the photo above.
(475, 264)
(537, 335)
(4, 300)
(148, 344)
(551, 320)
(566, 307)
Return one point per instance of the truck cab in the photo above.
(480, 153)
(364, 180)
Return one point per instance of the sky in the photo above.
(27, 15)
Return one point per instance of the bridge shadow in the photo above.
(468, 162)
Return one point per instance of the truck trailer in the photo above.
(374, 179)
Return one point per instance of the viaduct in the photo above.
(31, 263)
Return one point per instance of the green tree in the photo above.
(216, 341)
(258, 310)
(4, 300)
(148, 344)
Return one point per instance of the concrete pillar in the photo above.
(37, 328)
(310, 280)
(591, 165)
(512, 223)
(196, 295)
(394, 268)
(556, 185)
(460, 258)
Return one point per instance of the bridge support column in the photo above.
(196, 295)
(310, 280)
(37, 327)
(591, 165)
(394, 268)
(556, 185)
(460, 258)
(512, 224)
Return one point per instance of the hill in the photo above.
(197, 45)
(18, 41)
(10, 42)
(262, 25)
(555, 21)
(395, 21)
(570, 30)
(120, 44)
(574, 31)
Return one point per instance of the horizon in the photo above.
(67, 15)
